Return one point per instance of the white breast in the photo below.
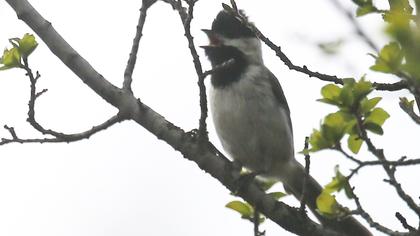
(252, 126)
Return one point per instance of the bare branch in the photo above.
(11, 131)
(404, 223)
(128, 73)
(366, 216)
(186, 19)
(379, 153)
(59, 137)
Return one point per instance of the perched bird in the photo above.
(251, 114)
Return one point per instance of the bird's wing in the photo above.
(279, 94)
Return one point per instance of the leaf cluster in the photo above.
(22, 48)
(246, 210)
(352, 102)
(326, 203)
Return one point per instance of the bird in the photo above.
(251, 115)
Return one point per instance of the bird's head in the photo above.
(229, 38)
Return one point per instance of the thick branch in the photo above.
(209, 159)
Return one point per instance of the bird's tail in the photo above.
(293, 183)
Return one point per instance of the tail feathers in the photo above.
(294, 183)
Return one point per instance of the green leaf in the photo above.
(381, 66)
(10, 59)
(277, 195)
(352, 128)
(363, 10)
(318, 142)
(332, 186)
(377, 116)
(362, 88)
(374, 128)
(362, 2)
(27, 45)
(334, 127)
(338, 183)
(304, 152)
(330, 91)
(331, 47)
(266, 184)
(346, 96)
(242, 208)
(354, 143)
(369, 104)
(329, 101)
(327, 204)
(401, 5)
(406, 103)
(389, 59)
(349, 81)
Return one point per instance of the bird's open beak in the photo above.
(214, 39)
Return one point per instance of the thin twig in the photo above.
(348, 156)
(366, 216)
(417, 97)
(379, 153)
(186, 18)
(128, 73)
(57, 136)
(11, 131)
(390, 163)
(404, 223)
(409, 109)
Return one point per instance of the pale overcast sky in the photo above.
(123, 181)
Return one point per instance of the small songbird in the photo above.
(251, 115)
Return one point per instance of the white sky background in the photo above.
(123, 181)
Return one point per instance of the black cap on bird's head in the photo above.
(229, 38)
(226, 26)
(229, 26)
(226, 30)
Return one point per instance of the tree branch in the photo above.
(366, 216)
(208, 159)
(128, 73)
(186, 18)
(59, 137)
(379, 153)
